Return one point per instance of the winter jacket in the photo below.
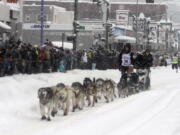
(62, 67)
(175, 60)
(143, 61)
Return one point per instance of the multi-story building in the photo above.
(56, 21)
(90, 15)
(9, 20)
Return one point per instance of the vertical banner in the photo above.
(153, 32)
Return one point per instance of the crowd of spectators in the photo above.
(27, 59)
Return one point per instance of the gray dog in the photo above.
(109, 90)
(45, 96)
(80, 94)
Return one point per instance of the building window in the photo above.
(27, 18)
(39, 18)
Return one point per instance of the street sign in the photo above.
(81, 27)
(108, 24)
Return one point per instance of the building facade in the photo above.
(89, 14)
(9, 21)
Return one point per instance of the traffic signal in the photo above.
(70, 37)
(149, 1)
(76, 26)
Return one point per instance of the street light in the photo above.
(42, 23)
(75, 31)
(137, 9)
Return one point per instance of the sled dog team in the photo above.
(77, 96)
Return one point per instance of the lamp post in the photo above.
(21, 3)
(106, 25)
(137, 9)
(42, 23)
(75, 32)
(148, 32)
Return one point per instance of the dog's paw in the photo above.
(48, 119)
(53, 113)
(43, 117)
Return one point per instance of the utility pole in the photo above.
(75, 32)
(158, 37)
(166, 35)
(21, 3)
(42, 23)
(105, 10)
(148, 31)
(107, 27)
(137, 9)
(63, 38)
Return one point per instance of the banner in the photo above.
(153, 32)
(12, 1)
(122, 16)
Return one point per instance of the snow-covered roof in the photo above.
(54, 6)
(125, 38)
(4, 26)
(111, 1)
(165, 21)
(128, 27)
(13, 6)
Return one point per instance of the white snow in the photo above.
(154, 112)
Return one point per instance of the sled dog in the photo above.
(46, 102)
(65, 98)
(56, 103)
(80, 94)
(99, 87)
(109, 90)
(86, 81)
(91, 93)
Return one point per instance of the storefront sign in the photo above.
(38, 26)
(122, 16)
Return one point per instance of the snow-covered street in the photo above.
(154, 112)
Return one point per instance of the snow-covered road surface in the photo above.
(154, 112)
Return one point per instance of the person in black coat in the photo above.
(148, 58)
(144, 60)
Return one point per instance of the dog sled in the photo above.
(134, 82)
(144, 79)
